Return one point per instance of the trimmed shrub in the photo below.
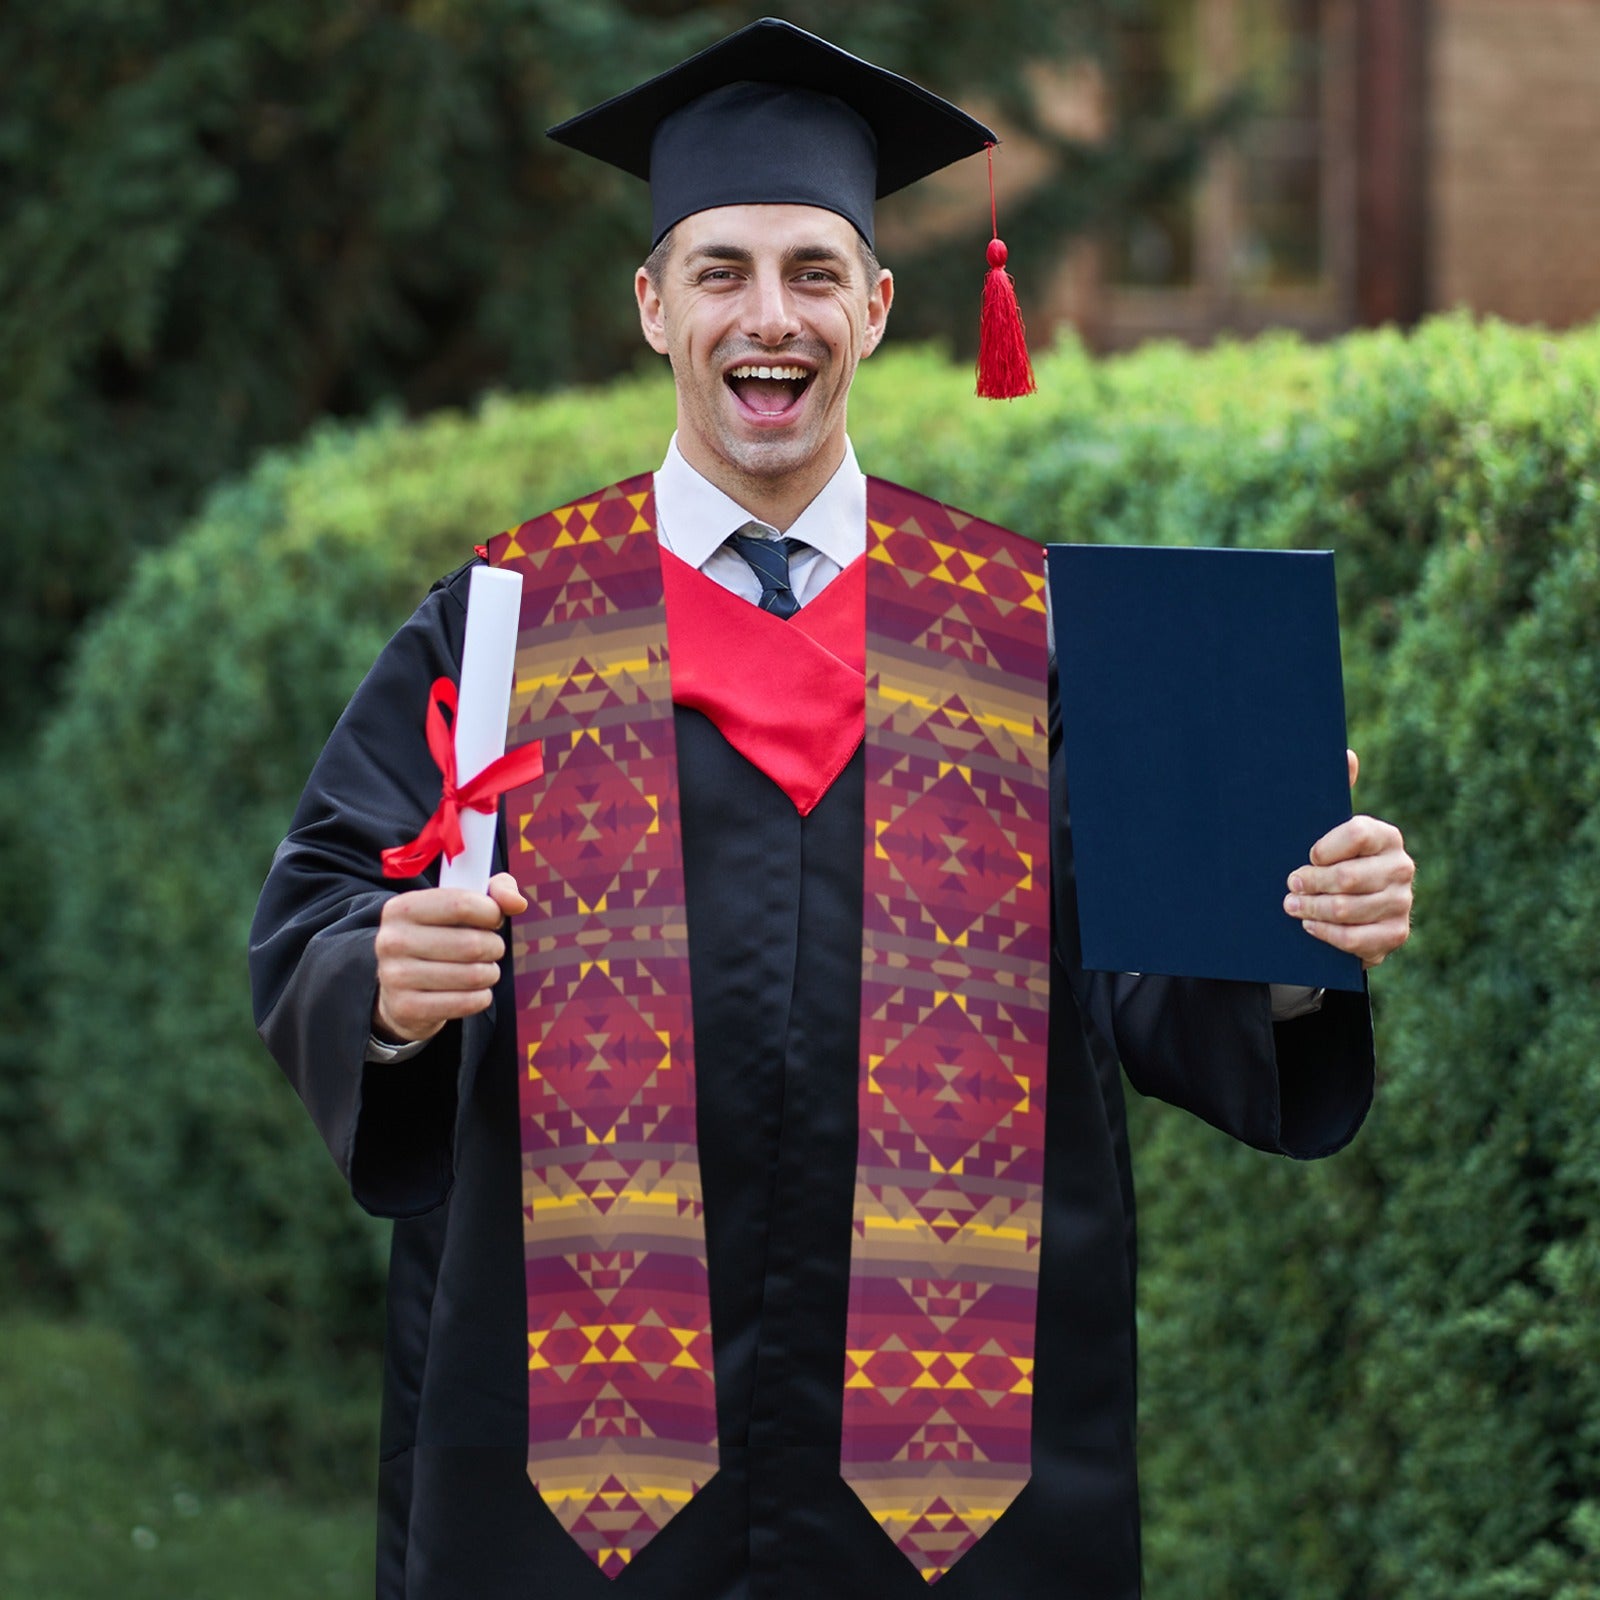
(1373, 1377)
(1376, 1377)
(195, 1213)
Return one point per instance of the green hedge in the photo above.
(1374, 1377)
(197, 1212)
(1378, 1377)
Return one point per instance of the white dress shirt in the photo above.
(694, 518)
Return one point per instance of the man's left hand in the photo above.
(1355, 893)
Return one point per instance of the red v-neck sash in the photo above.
(789, 696)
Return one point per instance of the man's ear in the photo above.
(652, 315)
(878, 303)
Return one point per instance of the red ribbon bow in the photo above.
(442, 831)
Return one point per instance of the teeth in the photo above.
(797, 374)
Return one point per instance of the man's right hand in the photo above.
(439, 954)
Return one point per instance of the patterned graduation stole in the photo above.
(944, 1267)
(621, 1401)
(622, 1422)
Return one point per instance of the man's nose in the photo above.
(772, 319)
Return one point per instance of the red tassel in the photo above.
(1004, 370)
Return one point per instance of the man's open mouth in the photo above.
(768, 390)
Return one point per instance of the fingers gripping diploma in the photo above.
(1355, 893)
(439, 954)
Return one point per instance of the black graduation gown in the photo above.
(774, 905)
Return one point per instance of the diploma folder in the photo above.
(1202, 717)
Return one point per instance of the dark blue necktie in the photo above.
(769, 560)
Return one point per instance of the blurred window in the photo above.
(1263, 234)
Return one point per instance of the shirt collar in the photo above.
(695, 517)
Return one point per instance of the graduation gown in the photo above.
(774, 910)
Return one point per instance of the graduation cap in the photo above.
(773, 115)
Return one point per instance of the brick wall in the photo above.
(1515, 158)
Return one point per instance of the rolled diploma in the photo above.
(488, 663)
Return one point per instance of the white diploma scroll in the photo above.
(488, 663)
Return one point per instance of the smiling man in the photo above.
(763, 1208)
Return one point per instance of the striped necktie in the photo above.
(769, 560)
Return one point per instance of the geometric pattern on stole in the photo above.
(621, 1396)
(954, 1014)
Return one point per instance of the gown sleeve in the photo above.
(1300, 1088)
(390, 1127)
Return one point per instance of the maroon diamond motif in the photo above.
(952, 854)
(598, 1053)
(947, 1084)
(592, 798)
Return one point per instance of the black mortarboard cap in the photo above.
(774, 115)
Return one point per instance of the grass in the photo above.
(92, 1502)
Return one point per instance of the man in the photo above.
(746, 1260)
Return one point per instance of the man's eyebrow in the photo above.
(819, 254)
(720, 252)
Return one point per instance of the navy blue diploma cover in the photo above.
(1202, 716)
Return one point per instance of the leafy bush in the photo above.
(197, 1217)
(95, 1499)
(1377, 1378)
(1371, 1378)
